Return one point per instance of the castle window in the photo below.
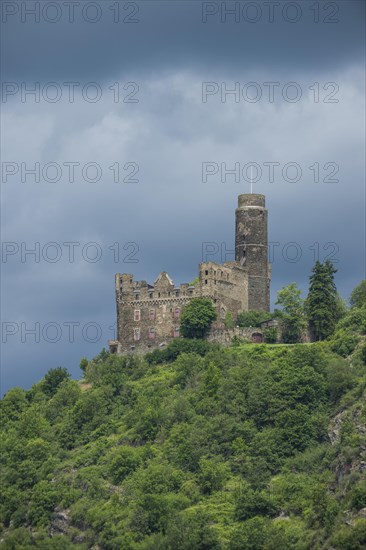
(151, 295)
(177, 293)
(159, 295)
(177, 313)
(137, 296)
(227, 276)
(215, 282)
(136, 334)
(176, 332)
(205, 281)
(152, 333)
(136, 315)
(152, 314)
(206, 272)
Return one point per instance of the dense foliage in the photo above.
(250, 447)
(197, 317)
(358, 295)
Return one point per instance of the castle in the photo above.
(148, 316)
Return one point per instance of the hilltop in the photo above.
(254, 446)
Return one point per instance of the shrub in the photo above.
(252, 318)
(343, 343)
(358, 497)
(340, 378)
(237, 341)
(354, 320)
(251, 503)
(270, 335)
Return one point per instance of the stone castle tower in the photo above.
(148, 316)
(251, 248)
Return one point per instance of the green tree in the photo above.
(293, 318)
(13, 404)
(83, 364)
(358, 295)
(197, 317)
(212, 474)
(322, 304)
(53, 379)
(124, 460)
(212, 379)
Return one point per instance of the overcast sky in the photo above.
(138, 109)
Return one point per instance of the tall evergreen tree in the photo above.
(322, 303)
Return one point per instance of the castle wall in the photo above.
(227, 284)
(149, 315)
(225, 336)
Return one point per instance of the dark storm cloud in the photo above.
(172, 35)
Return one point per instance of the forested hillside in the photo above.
(198, 447)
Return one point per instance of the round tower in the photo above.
(251, 248)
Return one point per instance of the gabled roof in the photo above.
(163, 275)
